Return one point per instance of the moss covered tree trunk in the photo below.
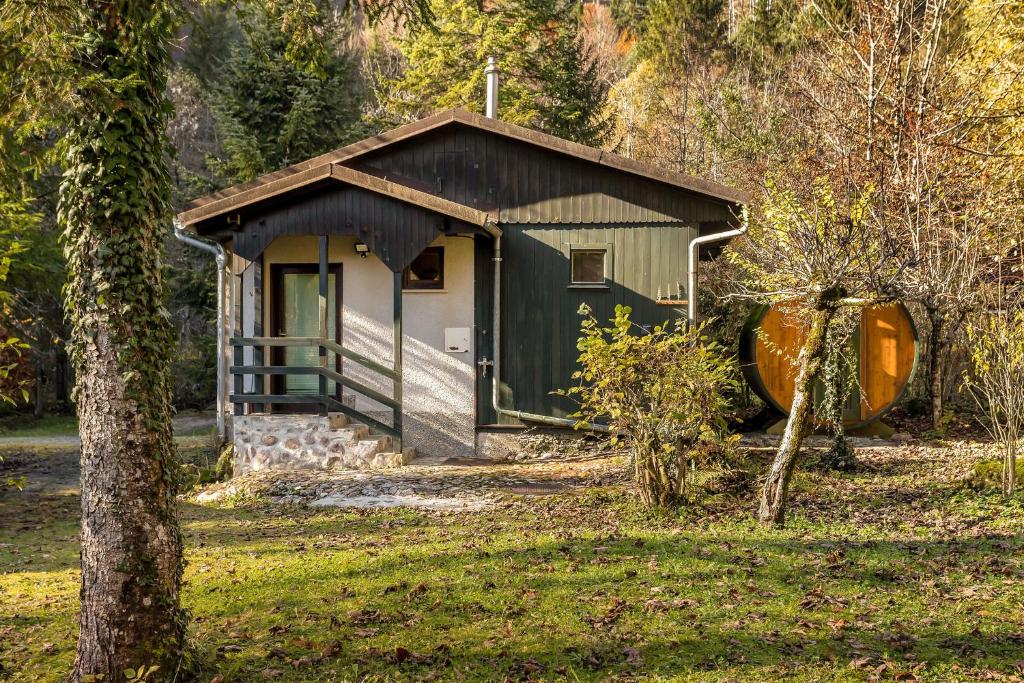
(776, 486)
(114, 207)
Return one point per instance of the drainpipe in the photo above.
(218, 252)
(495, 232)
(691, 283)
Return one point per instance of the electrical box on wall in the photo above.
(456, 340)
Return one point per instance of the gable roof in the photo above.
(258, 192)
(351, 152)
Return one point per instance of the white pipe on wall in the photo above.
(221, 257)
(495, 232)
(691, 280)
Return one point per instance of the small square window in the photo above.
(426, 271)
(588, 266)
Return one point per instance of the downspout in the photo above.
(691, 280)
(218, 251)
(492, 74)
(495, 232)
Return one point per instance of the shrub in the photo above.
(665, 392)
(997, 360)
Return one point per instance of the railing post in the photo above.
(397, 382)
(259, 357)
(239, 408)
(323, 320)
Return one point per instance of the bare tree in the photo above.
(814, 253)
(926, 118)
(996, 341)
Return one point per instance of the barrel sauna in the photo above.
(888, 352)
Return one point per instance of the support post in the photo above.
(323, 319)
(397, 395)
(239, 408)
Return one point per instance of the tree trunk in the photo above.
(115, 216)
(1010, 468)
(131, 547)
(39, 396)
(776, 486)
(936, 357)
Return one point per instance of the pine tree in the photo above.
(630, 15)
(271, 112)
(678, 33)
(548, 79)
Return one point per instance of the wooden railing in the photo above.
(259, 398)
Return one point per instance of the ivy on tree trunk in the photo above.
(115, 211)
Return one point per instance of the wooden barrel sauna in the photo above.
(888, 355)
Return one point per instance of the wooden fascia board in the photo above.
(256, 194)
(347, 152)
(604, 158)
(409, 195)
(346, 176)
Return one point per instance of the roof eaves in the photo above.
(254, 194)
(604, 158)
(349, 151)
(409, 195)
(442, 118)
(344, 175)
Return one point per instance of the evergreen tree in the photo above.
(630, 15)
(678, 33)
(548, 79)
(769, 35)
(271, 112)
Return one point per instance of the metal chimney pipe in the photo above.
(492, 72)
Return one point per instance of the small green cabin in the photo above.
(361, 285)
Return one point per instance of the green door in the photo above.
(297, 314)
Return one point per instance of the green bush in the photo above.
(665, 392)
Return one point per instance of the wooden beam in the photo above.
(358, 387)
(397, 383)
(316, 341)
(323, 242)
(410, 195)
(239, 407)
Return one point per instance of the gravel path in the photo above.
(455, 485)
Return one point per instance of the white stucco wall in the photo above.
(438, 387)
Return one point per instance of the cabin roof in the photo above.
(272, 187)
(297, 175)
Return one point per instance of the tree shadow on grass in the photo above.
(744, 601)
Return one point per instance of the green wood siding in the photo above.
(529, 184)
(541, 324)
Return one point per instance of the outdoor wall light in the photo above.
(362, 249)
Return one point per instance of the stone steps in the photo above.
(311, 442)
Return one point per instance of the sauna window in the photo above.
(426, 271)
(589, 266)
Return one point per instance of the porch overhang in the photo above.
(396, 221)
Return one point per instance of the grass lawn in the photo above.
(20, 425)
(892, 572)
